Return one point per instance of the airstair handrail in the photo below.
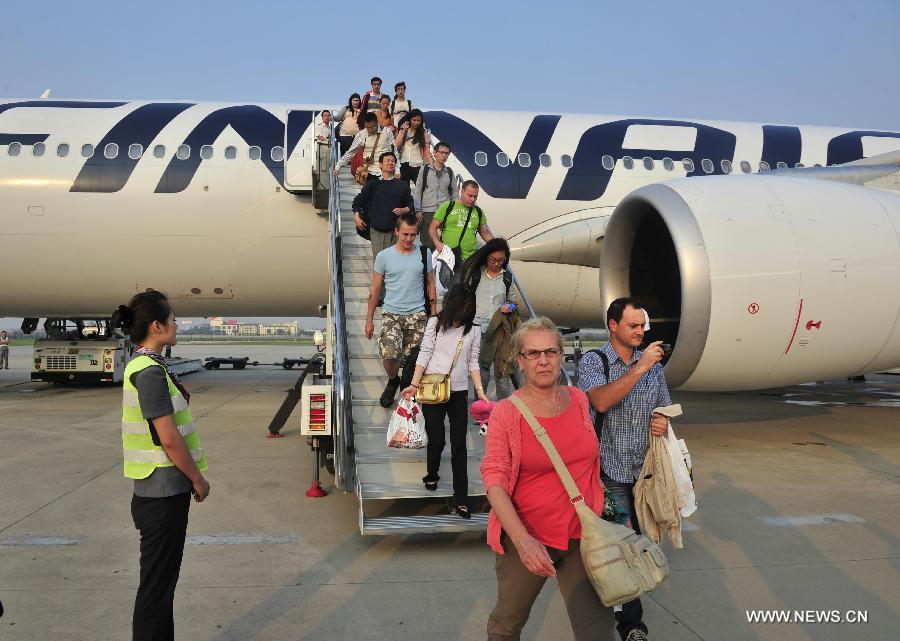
(341, 364)
(524, 296)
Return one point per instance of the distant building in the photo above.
(279, 329)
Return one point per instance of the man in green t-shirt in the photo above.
(454, 231)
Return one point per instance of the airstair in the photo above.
(386, 481)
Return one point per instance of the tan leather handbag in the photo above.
(621, 564)
(435, 388)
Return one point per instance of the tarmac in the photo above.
(798, 491)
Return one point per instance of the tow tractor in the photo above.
(79, 351)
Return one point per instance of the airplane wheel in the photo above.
(208, 365)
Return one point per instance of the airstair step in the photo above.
(401, 480)
(432, 524)
(370, 446)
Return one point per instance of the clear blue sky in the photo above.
(801, 62)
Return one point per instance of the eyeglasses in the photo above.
(534, 354)
(496, 261)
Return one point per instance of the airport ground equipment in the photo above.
(315, 368)
(378, 475)
(241, 362)
(79, 351)
(315, 423)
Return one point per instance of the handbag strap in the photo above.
(374, 149)
(544, 439)
(456, 356)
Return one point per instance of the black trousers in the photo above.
(162, 523)
(457, 409)
(409, 174)
(345, 142)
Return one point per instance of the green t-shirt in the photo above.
(453, 226)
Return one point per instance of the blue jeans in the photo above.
(632, 612)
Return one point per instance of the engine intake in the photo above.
(760, 281)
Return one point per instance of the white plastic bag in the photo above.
(407, 426)
(681, 460)
(444, 262)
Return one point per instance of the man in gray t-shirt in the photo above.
(153, 395)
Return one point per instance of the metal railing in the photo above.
(341, 361)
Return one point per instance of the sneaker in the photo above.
(636, 634)
(390, 390)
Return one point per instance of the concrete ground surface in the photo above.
(797, 487)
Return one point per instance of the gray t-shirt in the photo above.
(153, 396)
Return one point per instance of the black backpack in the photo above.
(600, 416)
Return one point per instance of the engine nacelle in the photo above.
(760, 281)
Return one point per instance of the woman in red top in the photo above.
(529, 506)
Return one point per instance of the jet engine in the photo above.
(760, 281)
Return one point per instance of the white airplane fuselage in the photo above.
(224, 236)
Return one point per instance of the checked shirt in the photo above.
(626, 429)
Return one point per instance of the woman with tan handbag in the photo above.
(440, 383)
(533, 527)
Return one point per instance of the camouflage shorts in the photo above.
(400, 333)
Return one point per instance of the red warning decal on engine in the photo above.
(811, 324)
(753, 308)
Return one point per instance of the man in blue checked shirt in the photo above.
(636, 386)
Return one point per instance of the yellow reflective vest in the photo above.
(140, 453)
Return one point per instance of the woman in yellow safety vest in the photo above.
(163, 455)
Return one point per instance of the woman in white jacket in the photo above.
(443, 335)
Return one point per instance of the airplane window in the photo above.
(255, 153)
(764, 166)
(230, 152)
(135, 151)
(726, 166)
(668, 164)
(648, 163)
(545, 160)
(524, 160)
(628, 162)
(206, 152)
(707, 165)
(14, 148)
(481, 158)
(566, 160)
(782, 165)
(688, 165)
(87, 150)
(277, 154)
(111, 150)
(38, 149)
(608, 162)
(799, 165)
(502, 159)
(62, 150)
(745, 167)
(184, 152)
(159, 151)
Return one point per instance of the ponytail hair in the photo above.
(141, 311)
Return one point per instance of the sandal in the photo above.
(429, 484)
(463, 511)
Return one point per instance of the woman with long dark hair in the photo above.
(486, 274)
(163, 455)
(348, 117)
(450, 345)
(414, 143)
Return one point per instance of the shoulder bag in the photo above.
(435, 388)
(620, 563)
